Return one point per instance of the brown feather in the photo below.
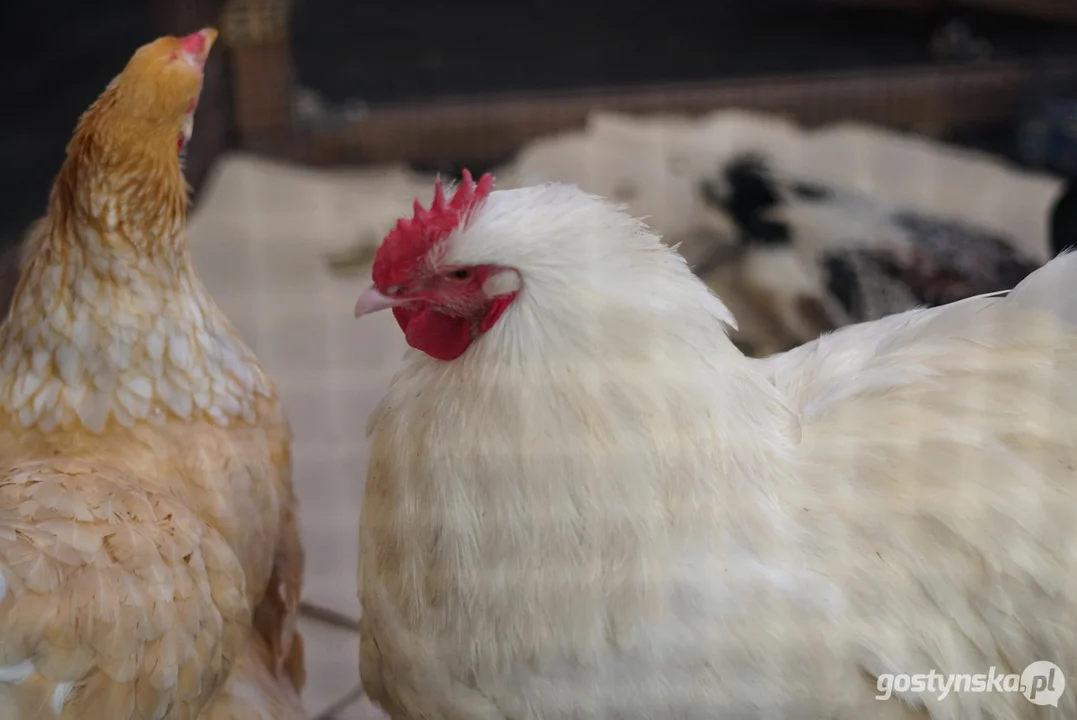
(147, 515)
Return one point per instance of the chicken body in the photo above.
(603, 509)
(150, 564)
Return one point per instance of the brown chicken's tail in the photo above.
(252, 692)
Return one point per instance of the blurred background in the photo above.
(433, 88)
(820, 162)
(330, 81)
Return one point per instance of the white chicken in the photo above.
(583, 502)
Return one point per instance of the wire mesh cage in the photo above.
(265, 230)
(481, 130)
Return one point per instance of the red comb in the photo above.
(194, 44)
(409, 244)
(197, 45)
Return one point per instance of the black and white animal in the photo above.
(823, 257)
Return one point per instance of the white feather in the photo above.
(59, 697)
(602, 508)
(15, 674)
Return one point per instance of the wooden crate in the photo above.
(488, 130)
(256, 32)
(929, 100)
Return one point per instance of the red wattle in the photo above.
(440, 336)
(403, 316)
(499, 305)
(195, 43)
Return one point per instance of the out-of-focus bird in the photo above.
(821, 257)
(583, 501)
(150, 564)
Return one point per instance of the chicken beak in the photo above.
(371, 301)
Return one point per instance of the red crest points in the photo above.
(408, 245)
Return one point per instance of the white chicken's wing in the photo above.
(944, 444)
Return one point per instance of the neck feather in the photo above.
(108, 321)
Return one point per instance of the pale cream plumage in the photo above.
(115, 597)
(603, 509)
(149, 544)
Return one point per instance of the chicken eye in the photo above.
(461, 274)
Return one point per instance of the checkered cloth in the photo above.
(259, 236)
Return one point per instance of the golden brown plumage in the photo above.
(149, 547)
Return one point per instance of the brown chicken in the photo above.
(150, 562)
